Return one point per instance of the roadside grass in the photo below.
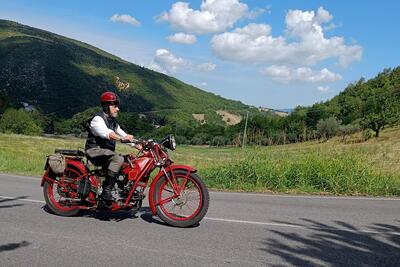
(340, 167)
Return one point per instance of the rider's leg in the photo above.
(116, 162)
(108, 185)
(106, 157)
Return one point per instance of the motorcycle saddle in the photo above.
(69, 152)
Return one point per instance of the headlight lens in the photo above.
(169, 142)
(173, 142)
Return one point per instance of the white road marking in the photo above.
(254, 194)
(20, 177)
(305, 196)
(302, 226)
(249, 222)
(23, 199)
(252, 222)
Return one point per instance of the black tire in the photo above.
(48, 191)
(204, 202)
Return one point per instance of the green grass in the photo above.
(337, 167)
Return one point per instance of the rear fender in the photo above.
(45, 177)
(77, 164)
(171, 168)
(71, 163)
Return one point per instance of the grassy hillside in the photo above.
(62, 76)
(338, 166)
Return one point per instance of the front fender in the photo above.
(170, 168)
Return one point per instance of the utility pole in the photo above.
(245, 128)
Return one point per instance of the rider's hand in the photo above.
(129, 137)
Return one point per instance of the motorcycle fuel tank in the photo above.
(138, 166)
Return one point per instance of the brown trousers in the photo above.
(106, 158)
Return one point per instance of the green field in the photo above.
(351, 166)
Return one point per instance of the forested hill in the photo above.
(379, 94)
(62, 77)
(373, 104)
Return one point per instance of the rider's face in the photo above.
(114, 109)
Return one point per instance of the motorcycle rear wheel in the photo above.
(54, 199)
(189, 208)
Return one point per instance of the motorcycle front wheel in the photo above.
(189, 207)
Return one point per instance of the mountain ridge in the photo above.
(63, 76)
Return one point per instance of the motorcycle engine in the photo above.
(121, 178)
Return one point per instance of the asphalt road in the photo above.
(239, 230)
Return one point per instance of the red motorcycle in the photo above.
(177, 194)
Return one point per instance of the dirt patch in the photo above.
(281, 113)
(200, 118)
(229, 118)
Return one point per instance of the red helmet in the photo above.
(109, 98)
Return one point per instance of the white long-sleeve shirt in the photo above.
(99, 128)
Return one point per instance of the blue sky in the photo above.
(275, 54)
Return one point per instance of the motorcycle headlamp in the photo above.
(169, 142)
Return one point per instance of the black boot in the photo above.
(108, 186)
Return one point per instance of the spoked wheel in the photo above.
(61, 196)
(186, 209)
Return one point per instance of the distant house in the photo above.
(28, 107)
(277, 112)
(263, 109)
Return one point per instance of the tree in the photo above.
(4, 101)
(381, 108)
(315, 113)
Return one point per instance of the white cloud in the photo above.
(208, 66)
(182, 38)
(125, 19)
(303, 44)
(203, 84)
(286, 74)
(213, 16)
(323, 89)
(329, 27)
(258, 12)
(166, 62)
(156, 67)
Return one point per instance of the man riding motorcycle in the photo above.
(103, 132)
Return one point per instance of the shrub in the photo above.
(19, 122)
(367, 134)
(345, 130)
(328, 128)
(196, 141)
(63, 126)
(219, 141)
(181, 140)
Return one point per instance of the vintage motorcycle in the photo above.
(177, 194)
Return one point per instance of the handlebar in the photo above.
(146, 144)
(126, 141)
